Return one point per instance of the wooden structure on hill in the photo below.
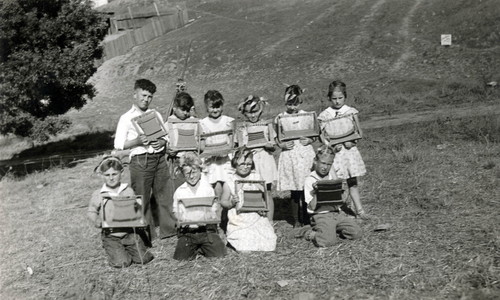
(140, 24)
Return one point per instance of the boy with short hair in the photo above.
(326, 221)
(196, 239)
(148, 168)
(125, 246)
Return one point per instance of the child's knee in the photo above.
(146, 258)
(354, 233)
(120, 262)
(323, 239)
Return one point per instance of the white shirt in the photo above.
(201, 189)
(309, 192)
(125, 131)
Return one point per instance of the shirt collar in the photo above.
(106, 189)
(136, 109)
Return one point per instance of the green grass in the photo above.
(439, 192)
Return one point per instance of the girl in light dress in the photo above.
(347, 156)
(295, 160)
(246, 231)
(217, 166)
(265, 164)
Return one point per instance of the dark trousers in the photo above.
(204, 240)
(123, 251)
(149, 174)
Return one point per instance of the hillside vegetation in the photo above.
(387, 51)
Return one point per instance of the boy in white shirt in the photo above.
(326, 221)
(196, 238)
(149, 170)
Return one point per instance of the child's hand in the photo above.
(269, 146)
(98, 223)
(171, 152)
(234, 200)
(337, 148)
(158, 144)
(315, 186)
(349, 145)
(144, 139)
(305, 141)
(287, 145)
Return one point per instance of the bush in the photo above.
(50, 126)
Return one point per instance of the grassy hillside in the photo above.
(387, 51)
(437, 187)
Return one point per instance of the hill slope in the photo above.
(387, 51)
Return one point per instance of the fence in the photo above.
(142, 26)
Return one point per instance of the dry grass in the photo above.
(436, 183)
(439, 192)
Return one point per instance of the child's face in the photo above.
(337, 98)
(142, 99)
(252, 116)
(244, 167)
(214, 112)
(112, 178)
(191, 174)
(181, 114)
(323, 164)
(292, 108)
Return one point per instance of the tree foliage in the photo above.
(48, 50)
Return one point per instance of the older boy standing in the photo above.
(149, 171)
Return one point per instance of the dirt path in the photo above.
(365, 23)
(405, 33)
(426, 116)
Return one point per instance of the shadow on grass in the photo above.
(64, 153)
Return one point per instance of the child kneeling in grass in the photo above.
(197, 237)
(125, 247)
(326, 221)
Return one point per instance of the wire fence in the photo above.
(23, 167)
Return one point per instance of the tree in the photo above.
(48, 50)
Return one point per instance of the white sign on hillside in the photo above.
(446, 40)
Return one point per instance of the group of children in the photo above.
(169, 176)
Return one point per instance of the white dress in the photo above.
(216, 166)
(294, 166)
(249, 231)
(350, 159)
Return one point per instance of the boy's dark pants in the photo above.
(203, 240)
(150, 173)
(327, 225)
(123, 251)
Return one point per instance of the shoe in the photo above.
(364, 216)
(298, 225)
(309, 236)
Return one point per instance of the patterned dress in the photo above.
(248, 231)
(294, 165)
(350, 159)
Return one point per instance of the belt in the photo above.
(151, 154)
(207, 228)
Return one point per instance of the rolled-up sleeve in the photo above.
(121, 133)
